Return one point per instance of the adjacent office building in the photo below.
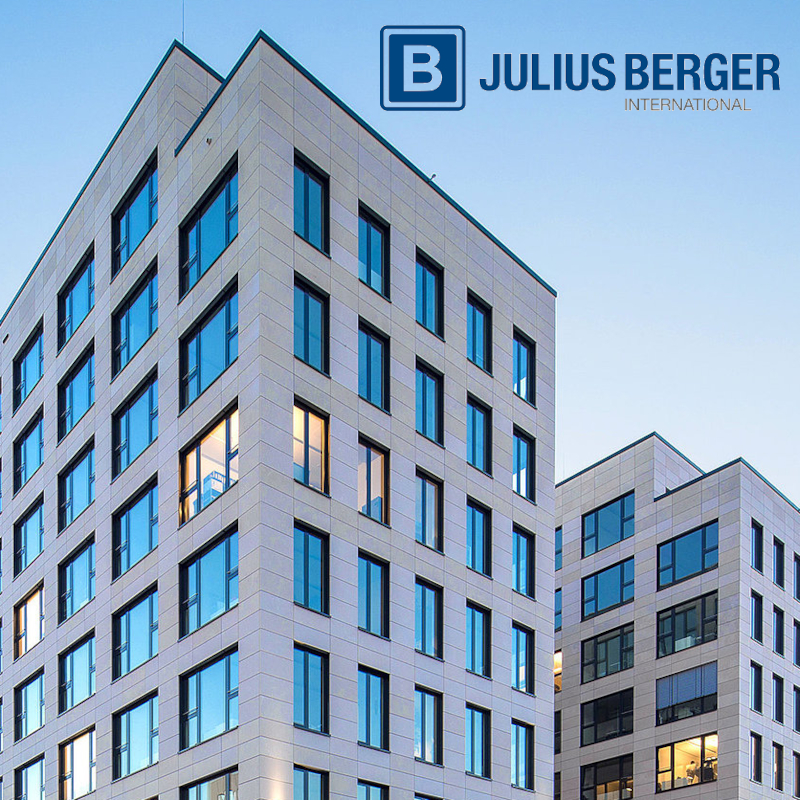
(277, 439)
(677, 631)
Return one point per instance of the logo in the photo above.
(422, 68)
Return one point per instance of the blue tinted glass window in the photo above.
(134, 220)
(427, 726)
(311, 569)
(688, 554)
(428, 512)
(523, 654)
(308, 785)
(478, 640)
(28, 453)
(135, 738)
(76, 395)
(76, 489)
(479, 333)
(608, 525)
(372, 791)
(477, 734)
(524, 367)
(372, 484)
(28, 368)
(558, 611)
(521, 755)
(430, 297)
(373, 368)
(134, 323)
(373, 713)
(428, 638)
(135, 427)
(478, 435)
(76, 679)
(135, 531)
(608, 588)
(311, 205)
(523, 475)
(28, 537)
(756, 546)
(29, 706)
(210, 700)
(523, 557)
(373, 250)
(135, 634)
(559, 549)
(76, 582)
(686, 694)
(429, 403)
(311, 327)
(310, 689)
(29, 781)
(479, 538)
(373, 595)
(75, 302)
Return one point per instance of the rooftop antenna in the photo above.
(183, 21)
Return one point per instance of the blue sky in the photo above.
(672, 238)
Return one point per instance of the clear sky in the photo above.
(672, 238)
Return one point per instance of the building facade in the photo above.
(677, 630)
(278, 423)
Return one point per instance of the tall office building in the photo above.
(678, 654)
(278, 449)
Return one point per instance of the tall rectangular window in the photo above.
(796, 576)
(607, 589)
(429, 610)
(756, 687)
(209, 348)
(608, 524)
(78, 766)
(777, 767)
(29, 781)
(135, 530)
(373, 595)
(522, 767)
(687, 763)
(796, 701)
(430, 403)
(777, 698)
(523, 652)
(524, 562)
(135, 737)
(218, 787)
(524, 367)
(311, 326)
(311, 569)
(28, 452)
(757, 546)
(686, 694)
(76, 393)
(209, 583)
(373, 367)
(428, 725)
(429, 511)
(311, 204)
(479, 538)
(134, 427)
(524, 474)
(756, 758)
(478, 755)
(373, 708)
(778, 632)
(135, 634)
(134, 321)
(29, 537)
(756, 616)
(210, 228)
(76, 581)
(796, 781)
(607, 717)
(611, 779)
(373, 481)
(210, 466)
(310, 448)
(28, 622)
(559, 548)
(308, 785)
(479, 435)
(779, 562)
(796, 628)
(209, 700)
(479, 640)
(687, 555)
(28, 366)
(557, 611)
(76, 674)
(373, 252)
(29, 706)
(134, 217)
(430, 295)
(607, 653)
(687, 624)
(76, 299)
(76, 487)
(479, 333)
(310, 689)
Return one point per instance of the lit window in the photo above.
(78, 766)
(28, 622)
(310, 448)
(687, 763)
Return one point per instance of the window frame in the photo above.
(479, 559)
(676, 689)
(705, 552)
(307, 532)
(122, 546)
(757, 546)
(591, 646)
(528, 782)
(65, 591)
(21, 627)
(121, 455)
(66, 673)
(778, 562)
(65, 392)
(427, 377)
(307, 411)
(522, 633)
(19, 381)
(703, 761)
(478, 720)
(594, 514)
(21, 474)
(304, 692)
(520, 436)
(120, 745)
(371, 221)
(312, 172)
(520, 340)
(474, 407)
(376, 339)
(422, 693)
(148, 282)
(309, 290)
(383, 568)
(21, 560)
(475, 306)
(478, 645)
(706, 619)
(624, 775)
(147, 179)
(369, 448)
(623, 717)
(121, 640)
(67, 775)
(623, 585)
(423, 480)
(529, 566)
(86, 265)
(422, 624)
(366, 705)
(425, 265)
(22, 705)
(66, 490)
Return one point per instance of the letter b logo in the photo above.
(422, 68)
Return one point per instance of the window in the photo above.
(29, 706)
(524, 566)
(558, 670)
(134, 322)
(76, 393)
(373, 595)
(797, 643)
(523, 651)
(28, 366)
(373, 708)
(558, 613)
(688, 555)
(311, 204)
(76, 674)
(756, 687)
(135, 216)
(430, 295)
(308, 785)
(209, 348)
(559, 549)
(429, 619)
(76, 300)
(479, 436)
(373, 252)
(756, 768)
(220, 787)
(479, 640)
(311, 326)
(78, 767)
(310, 448)
(428, 725)
(779, 563)
(28, 622)
(209, 229)
(135, 530)
(557, 732)
(479, 538)
(373, 481)
(687, 624)
(777, 698)
(756, 546)
(135, 426)
(135, 737)
(430, 403)
(29, 537)
(557, 786)
(608, 524)
(76, 487)
(796, 577)
(611, 779)
(29, 781)
(209, 583)
(757, 616)
(76, 581)
(608, 588)
(372, 791)
(373, 367)
(686, 694)
(778, 634)
(796, 693)
(28, 452)
(135, 634)
(479, 333)
(524, 367)
(796, 759)
(310, 689)
(430, 511)
(607, 654)
(777, 766)
(607, 717)
(210, 466)
(478, 757)
(311, 569)
(687, 763)
(524, 479)
(210, 700)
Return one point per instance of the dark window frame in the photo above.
(520, 435)
(65, 682)
(121, 459)
(706, 552)
(35, 337)
(120, 751)
(118, 545)
(529, 568)
(65, 320)
(683, 707)
(621, 714)
(20, 465)
(324, 693)
(65, 402)
(428, 375)
(381, 340)
(370, 447)
(147, 282)
(384, 568)
(477, 305)
(308, 289)
(594, 514)
(324, 539)
(475, 405)
(623, 585)
(308, 409)
(66, 516)
(426, 265)
(64, 591)
(707, 768)
(486, 535)
(312, 172)
(120, 641)
(372, 220)
(146, 179)
(480, 645)
(383, 733)
(420, 528)
(708, 623)
(590, 660)
(421, 619)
